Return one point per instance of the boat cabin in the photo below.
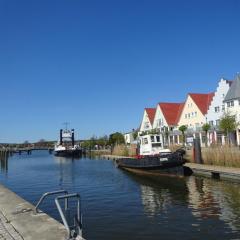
(152, 144)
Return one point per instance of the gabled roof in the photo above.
(151, 114)
(202, 100)
(171, 112)
(234, 90)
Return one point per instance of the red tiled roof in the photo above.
(202, 100)
(151, 114)
(171, 112)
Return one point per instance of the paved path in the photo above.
(18, 220)
(7, 231)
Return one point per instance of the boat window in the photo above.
(156, 144)
(145, 141)
(158, 138)
(152, 138)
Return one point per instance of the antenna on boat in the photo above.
(66, 125)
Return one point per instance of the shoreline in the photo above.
(204, 170)
(18, 220)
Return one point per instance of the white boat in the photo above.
(152, 144)
(153, 158)
(66, 145)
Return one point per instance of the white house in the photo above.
(128, 137)
(166, 119)
(147, 120)
(216, 110)
(232, 103)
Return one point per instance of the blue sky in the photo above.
(98, 64)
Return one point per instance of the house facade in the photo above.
(232, 103)
(166, 121)
(194, 113)
(147, 120)
(216, 111)
(128, 137)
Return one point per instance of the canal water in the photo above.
(118, 205)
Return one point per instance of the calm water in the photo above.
(118, 205)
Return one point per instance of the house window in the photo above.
(223, 108)
(146, 125)
(217, 122)
(189, 115)
(230, 104)
(152, 138)
(217, 109)
(211, 123)
(185, 115)
(158, 138)
(145, 141)
(195, 114)
(192, 114)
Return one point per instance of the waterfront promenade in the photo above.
(18, 220)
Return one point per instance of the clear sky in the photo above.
(98, 64)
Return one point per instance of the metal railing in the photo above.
(74, 231)
(50, 194)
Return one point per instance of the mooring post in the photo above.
(197, 154)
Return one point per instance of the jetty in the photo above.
(217, 172)
(19, 220)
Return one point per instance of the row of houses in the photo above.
(196, 110)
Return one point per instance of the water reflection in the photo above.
(201, 199)
(4, 162)
(66, 171)
(206, 198)
(159, 193)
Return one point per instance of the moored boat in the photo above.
(66, 146)
(154, 159)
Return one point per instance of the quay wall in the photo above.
(19, 218)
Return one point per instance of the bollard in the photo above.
(197, 154)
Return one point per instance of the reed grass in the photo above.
(228, 156)
(123, 150)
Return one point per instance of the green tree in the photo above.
(228, 124)
(183, 129)
(116, 138)
(135, 134)
(206, 127)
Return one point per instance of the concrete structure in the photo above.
(166, 121)
(219, 172)
(193, 113)
(232, 103)
(216, 111)
(19, 221)
(147, 120)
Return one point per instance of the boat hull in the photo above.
(171, 164)
(68, 153)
